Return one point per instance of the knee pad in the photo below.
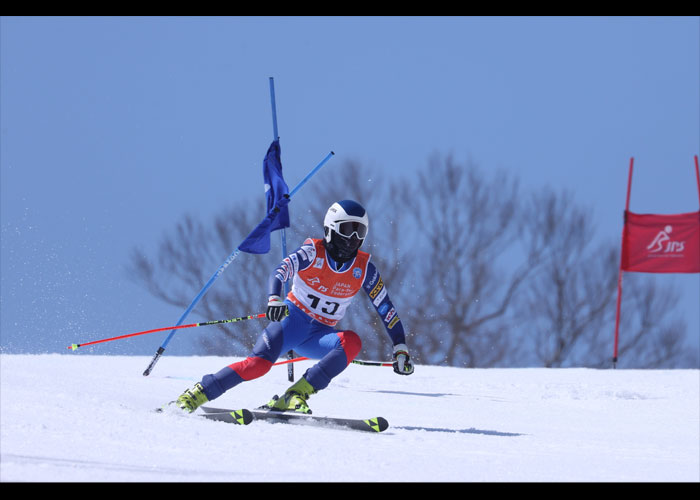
(351, 343)
(251, 367)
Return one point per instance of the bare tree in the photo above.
(569, 294)
(188, 255)
(440, 241)
(568, 306)
(468, 266)
(186, 259)
(650, 337)
(480, 276)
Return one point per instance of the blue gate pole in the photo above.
(283, 234)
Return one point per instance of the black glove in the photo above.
(276, 309)
(402, 361)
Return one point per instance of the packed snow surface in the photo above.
(82, 417)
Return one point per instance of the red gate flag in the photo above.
(661, 243)
(653, 243)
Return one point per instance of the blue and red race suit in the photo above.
(320, 294)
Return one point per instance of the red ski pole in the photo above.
(206, 323)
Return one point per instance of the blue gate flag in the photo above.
(277, 195)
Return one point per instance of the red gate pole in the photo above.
(697, 175)
(619, 276)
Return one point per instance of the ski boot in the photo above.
(294, 398)
(192, 399)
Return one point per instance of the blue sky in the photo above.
(113, 128)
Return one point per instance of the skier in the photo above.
(326, 274)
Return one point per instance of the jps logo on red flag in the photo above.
(661, 243)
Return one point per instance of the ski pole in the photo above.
(372, 363)
(206, 323)
(355, 361)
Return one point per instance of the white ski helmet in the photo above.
(345, 227)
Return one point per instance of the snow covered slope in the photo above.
(80, 417)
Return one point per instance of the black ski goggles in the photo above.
(349, 227)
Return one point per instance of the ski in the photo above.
(377, 424)
(240, 417)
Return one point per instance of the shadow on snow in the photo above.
(456, 431)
